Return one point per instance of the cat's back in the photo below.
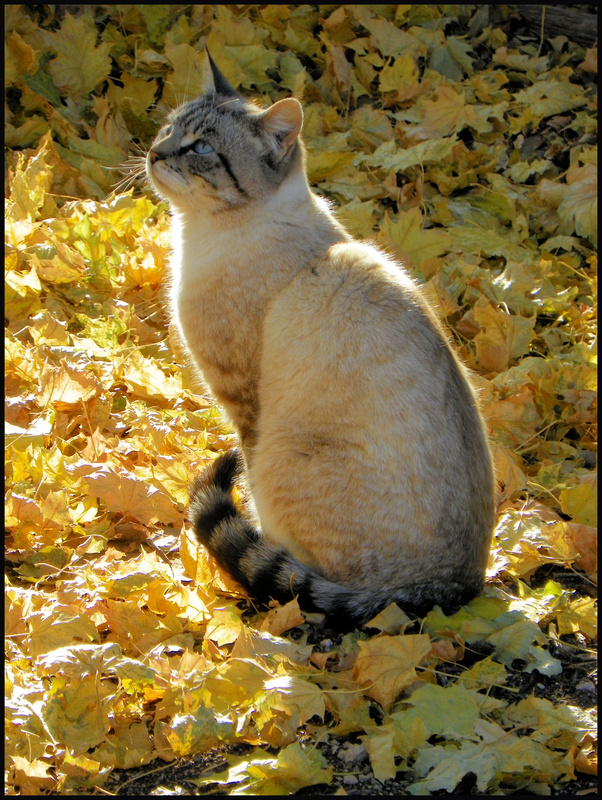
(356, 318)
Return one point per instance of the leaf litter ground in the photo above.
(465, 145)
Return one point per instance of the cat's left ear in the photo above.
(216, 81)
(283, 122)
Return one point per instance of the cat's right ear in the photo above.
(283, 122)
(216, 81)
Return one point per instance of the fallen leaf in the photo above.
(386, 665)
(80, 64)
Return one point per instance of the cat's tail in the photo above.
(266, 571)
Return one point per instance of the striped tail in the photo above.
(269, 572)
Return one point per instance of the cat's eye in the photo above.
(202, 148)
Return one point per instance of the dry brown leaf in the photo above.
(283, 618)
(586, 541)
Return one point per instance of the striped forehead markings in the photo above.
(203, 108)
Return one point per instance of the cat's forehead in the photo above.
(213, 107)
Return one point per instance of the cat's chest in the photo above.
(215, 316)
(217, 300)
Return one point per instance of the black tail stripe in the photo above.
(210, 517)
(264, 583)
(229, 543)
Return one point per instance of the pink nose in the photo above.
(154, 156)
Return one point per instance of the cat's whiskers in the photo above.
(133, 170)
(138, 147)
(187, 83)
(225, 103)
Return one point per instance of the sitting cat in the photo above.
(365, 452)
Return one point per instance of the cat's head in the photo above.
(220, 151)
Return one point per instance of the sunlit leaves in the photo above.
(578, 209)
(295, 768)
(189, 76)
(581, 501)
(407, 236)
(30, 187)
(497, 754)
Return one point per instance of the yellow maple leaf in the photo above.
(126, 748)
(200, 730)
(400, 77)
(144, 377)
(22, 294)
(581, 501)
(580, 615)
(585, 538)
(409, 238)
(80, 64)
(390, 620)
(67, 266)
(388, 38)
(586, 759)
(32, 776)
(125, 493)
(190, 75)
(499, 753)
(66, 385)
(386, 665)
(20, 58)
(503, 337)
(514, 419)
(294, 695)
(283, 618)
(549, 720)
(446, 114)
(224, 627)
(510, 477)
(339, 65)
(578, 209)
(380, 750)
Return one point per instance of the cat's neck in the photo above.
(294, 224)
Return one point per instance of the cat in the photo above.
(364, 449)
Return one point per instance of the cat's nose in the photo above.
(153, 156)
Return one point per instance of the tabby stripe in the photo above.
(192, 114)
(264, 582)
(186, 119)
(228, 168)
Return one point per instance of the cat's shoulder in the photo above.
(352, 284)
(359, 271)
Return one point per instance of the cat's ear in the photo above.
(216, 81)
(283, 122)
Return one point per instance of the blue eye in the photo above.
(202, 148)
